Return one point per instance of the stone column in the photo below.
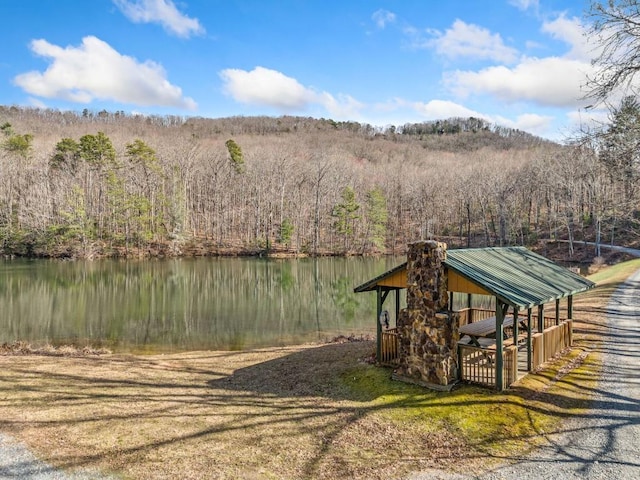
(428, 332)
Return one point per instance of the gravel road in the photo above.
(16, 461)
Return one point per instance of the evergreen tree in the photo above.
(235, 153)
(377, 215)
(345, 214)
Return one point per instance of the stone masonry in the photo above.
(428, 332)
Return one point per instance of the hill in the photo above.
(86, 184)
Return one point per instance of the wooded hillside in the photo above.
(94, 184)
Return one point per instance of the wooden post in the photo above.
(515, 337)
(500, 312)
(528, 339)
(558, 311)
(540, 318)
(570, 307)
(469, 301)
(450, 301)
(378, 326)
(397, 305)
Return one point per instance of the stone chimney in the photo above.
(428, 332)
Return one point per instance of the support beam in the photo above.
(515, 334)
(570, 307)
(379, 303)
(529, 356)
(397, 305)
(501, 310)
(558, 311)
(540, 318)
(385, 294)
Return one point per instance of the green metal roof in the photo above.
(514, 275)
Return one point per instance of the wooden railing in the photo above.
(551, 341)
(470, 315)
(478, 365)
(389, 347)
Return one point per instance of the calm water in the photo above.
(187, 304)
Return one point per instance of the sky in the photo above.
(517, 63)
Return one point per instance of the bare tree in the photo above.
(615, 29)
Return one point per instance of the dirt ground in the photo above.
(271, 413)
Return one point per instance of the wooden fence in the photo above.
(551, 341)
(477, 365)
(389, 347)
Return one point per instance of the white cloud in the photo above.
(383, 17)
(550, 81)
(582, 120)
(94, 70)
(163, 12)
(442, 109)
(528, 122)
(36, 102)
(343, 107)
(266, 87)
(572, 32)
(471, 41)
(525, 4)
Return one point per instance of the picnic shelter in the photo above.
(440, 338)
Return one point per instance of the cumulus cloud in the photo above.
(525, 4)
(528, 122)
(163, 12)
(439, 109)
(471, 41)
(582, 120)
(94, 70)
(572, 32)
(263, 86)
(270, 88)
(383, 17)
(550, 81)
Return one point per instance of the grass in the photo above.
(313, 411)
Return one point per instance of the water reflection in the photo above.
(187, 304)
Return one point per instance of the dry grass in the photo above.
(314, 411)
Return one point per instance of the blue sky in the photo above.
(518, 63)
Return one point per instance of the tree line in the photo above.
(88, 185)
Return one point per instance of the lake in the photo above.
(187, 304)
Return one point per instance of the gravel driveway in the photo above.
(16, 461)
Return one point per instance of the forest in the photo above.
(109, 184)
